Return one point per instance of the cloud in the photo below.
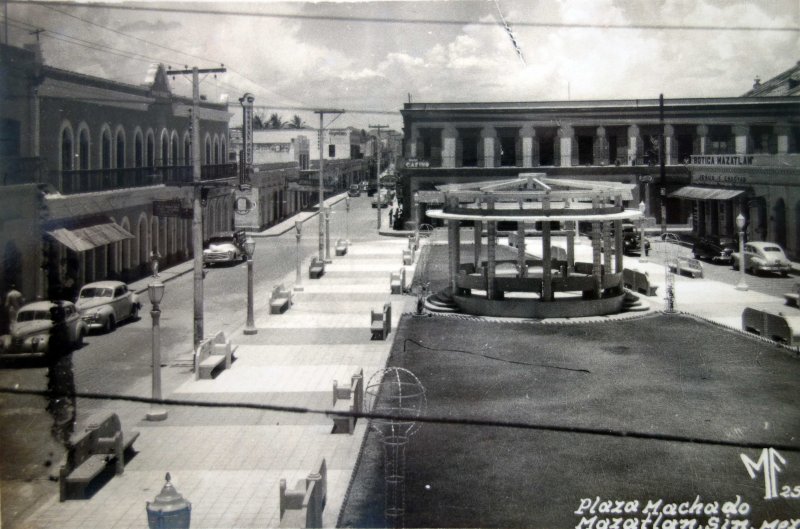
(151, 26)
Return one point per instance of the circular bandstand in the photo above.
(553, 285)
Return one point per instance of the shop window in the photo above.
(469, 152)
(508, 151)
(331, 151)
(585, 150)
(66, 150)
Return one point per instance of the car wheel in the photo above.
(696, 256)
(784, 274)
(134, 311)
(110, 325)
(79, 342)
(735, 264)
(753, 270)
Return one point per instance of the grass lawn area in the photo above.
(665, 375)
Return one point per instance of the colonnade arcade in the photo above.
(554, 283)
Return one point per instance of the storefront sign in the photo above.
(171, 208)
(721, 159)
(720, 179)
(416, 163)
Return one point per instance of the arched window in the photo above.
(174, 144)
(164, 149)
(138, 150)
(66, 149)
(216, 150)
(187, 150)
(151, 150)
(208, 151)
(223, 150)
(105, 149)
(83, 149)
(120, 156)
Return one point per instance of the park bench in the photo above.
(212, 353)
(684, 265)
(381, 322)
(90, 451)
(349, 398)
(776, 327)
(303, 506)
(397, 281)
(316, 268)
(638, 282)
(408, 257)
(280, 300)
(341, 247)
(793, 296)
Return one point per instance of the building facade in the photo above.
(722, 156)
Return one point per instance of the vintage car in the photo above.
(762, 257)
(31, 331)
(225, 247)
(383, 197)
(104, 304)
(714, 249)
(355, 190)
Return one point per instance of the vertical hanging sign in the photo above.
(246, 163)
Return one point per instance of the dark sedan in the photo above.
(715, 249)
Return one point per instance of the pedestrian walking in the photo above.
(154, 257)
(14, 302)
(391, 216)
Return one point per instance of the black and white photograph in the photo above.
(400, 263)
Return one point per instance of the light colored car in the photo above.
(224, 248)
(31, 331)
(104, 304)
(763, 257)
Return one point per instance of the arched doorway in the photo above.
(779, 222)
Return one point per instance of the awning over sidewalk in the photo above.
(86, 236)
(706, 193)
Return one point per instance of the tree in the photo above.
(258, 121)
(297, 122)
(275, 121)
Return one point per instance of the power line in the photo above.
(421, 21)
(428, 419)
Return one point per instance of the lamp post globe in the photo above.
(249, 249)
(740, 223)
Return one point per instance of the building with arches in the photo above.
(722, 156)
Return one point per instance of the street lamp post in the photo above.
(327, 212)
(249, 248)
(347, 220)
(156, 292)
(298, 280)
(740, 223)
(642, 255)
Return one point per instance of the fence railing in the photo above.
(92, 180)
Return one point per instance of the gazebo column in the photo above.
(570, 225)
(454, 243)
(547, 267)
(491, 260)
(607, 246)
(523, 269)
(478, 229)
(618, 246)
(597, 266)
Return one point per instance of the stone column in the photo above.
(523, 269)
(449, 135)
(491, 260)
(670, 148)
(600, 147)
(568, 150)
(701, 140)
(478, 229)
(782, 132)
(618, 246)
(547, 266)
(597, 267)
(454, 244)
(489, 137)
(528, 135)
(606, 227)
(634, 146)
(742, 135)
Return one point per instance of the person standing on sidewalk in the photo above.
(154, 257)
(13, 303)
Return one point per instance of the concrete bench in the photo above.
(211, 354)
(349, 398)
(381, 322)
(397, 281)
(280, 300)
(684, 265)
(776, 327)
(90, 451)
(316, 269)
(341, 247)
(408, 257)
(303, 505)
(638, 282)
(793, 297)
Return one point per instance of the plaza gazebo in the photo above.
(554, 285)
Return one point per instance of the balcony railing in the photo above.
(93, 180)
(17, 170)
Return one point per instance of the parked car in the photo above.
(225, 247)
(355, 190)
(31, 331)
(762, 257)
(715, 249)
(104, 304)
(383, 197)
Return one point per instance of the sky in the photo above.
(371, 56)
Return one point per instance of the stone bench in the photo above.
(211, 354)
(316, 268)
(90, 451)
(381, 322)
(303, 505)
(341, 247)
(793, 297)
(684, 265)
(280, 300)
(638, 282)
(408, 257)
(397, 281)
(350, 399)
(776, 327)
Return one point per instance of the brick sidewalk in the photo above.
(228, 462)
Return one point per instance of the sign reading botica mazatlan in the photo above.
(722, 159)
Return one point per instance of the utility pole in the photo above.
(378, 170)
(322, 113)
(197, 216)
(662, 172)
